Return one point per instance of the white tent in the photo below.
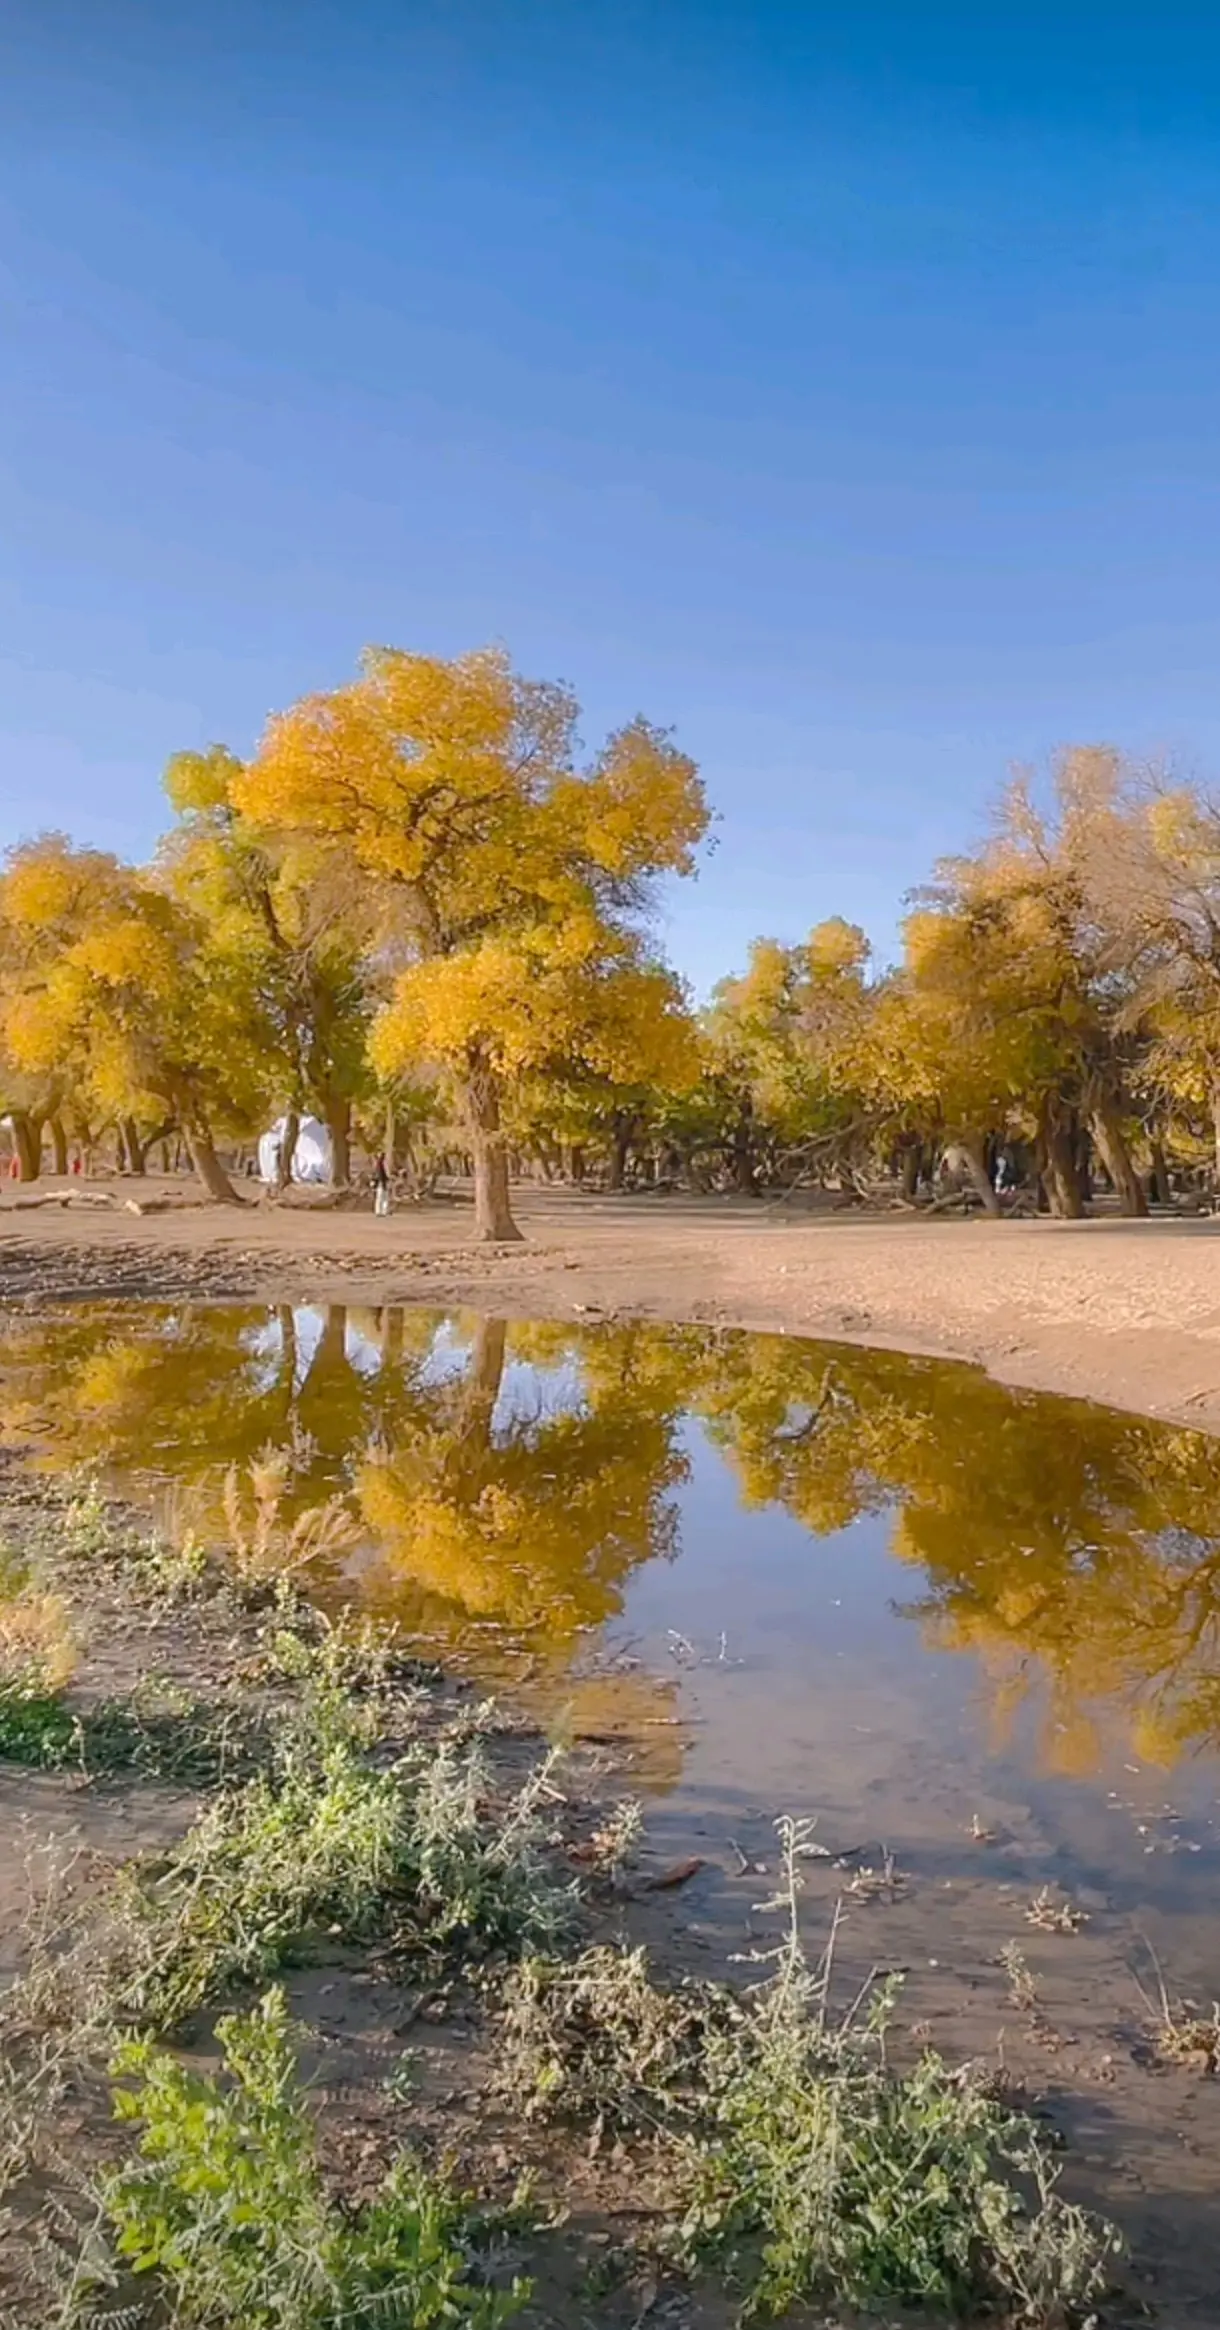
(311, 1159)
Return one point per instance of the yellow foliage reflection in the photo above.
(1074, 1550)
(532, 1504)
(509, 1479)
(505, 1482)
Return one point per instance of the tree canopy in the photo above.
(509, 883)
(422, 912)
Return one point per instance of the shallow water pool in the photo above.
(974, 1634)
(785, 1573)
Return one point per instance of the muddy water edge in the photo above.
(974, 1634)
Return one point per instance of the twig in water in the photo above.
(884, 1884)
(1181, 2034)
(1052, 1916)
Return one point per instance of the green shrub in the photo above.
(263, 1867)
(80, 1525)
(826, 2175)
(156, 1734)
(226, 2205)
(36, 1728)
(479, 1874)
(803, 2165)
(326, 1845)
(823, 2173)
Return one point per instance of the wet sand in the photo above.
(1123, 1312)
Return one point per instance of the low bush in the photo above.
(593, 2039)
(157, 1733)
(824, 2174)
(352, 1652)
(326, 1845)
(36, 1726)
(481, 1874)
(227, 2208)
(262, 1868)
(803, 2166)
(82, 1525)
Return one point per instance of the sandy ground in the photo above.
(1124, 1312)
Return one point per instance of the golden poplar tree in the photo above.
(283, 926)
(513, 884)
(122, 993)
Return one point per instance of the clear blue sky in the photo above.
(838, 383)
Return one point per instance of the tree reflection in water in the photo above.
(509, 1480)
(1074, 1549)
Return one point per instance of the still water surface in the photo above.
(787, 1574)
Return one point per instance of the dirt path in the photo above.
(1124, 1312)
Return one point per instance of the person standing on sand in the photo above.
(381, 1187)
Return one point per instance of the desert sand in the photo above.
(1122, 1312)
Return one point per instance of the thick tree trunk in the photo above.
(211, 1173)
(28, 1145)
(975, 1154)
(576, 1164)
(744, 1169)
(59, 1144)
(493, 1214)
(550, 1159)
(1062, 1186)
(133, 1147)
(339, 1126)
(620, 1145)
(1161, 1188)
(909, 1161)
(1116, 1157)
(287, 1152)
(1057, 1153)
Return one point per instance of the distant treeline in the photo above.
(418, 916)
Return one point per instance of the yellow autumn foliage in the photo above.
(511, 883)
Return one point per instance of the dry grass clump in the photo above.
(593, 2039)
(1182, 2032)
(266, 1542)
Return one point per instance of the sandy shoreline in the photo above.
(1122, 1312)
